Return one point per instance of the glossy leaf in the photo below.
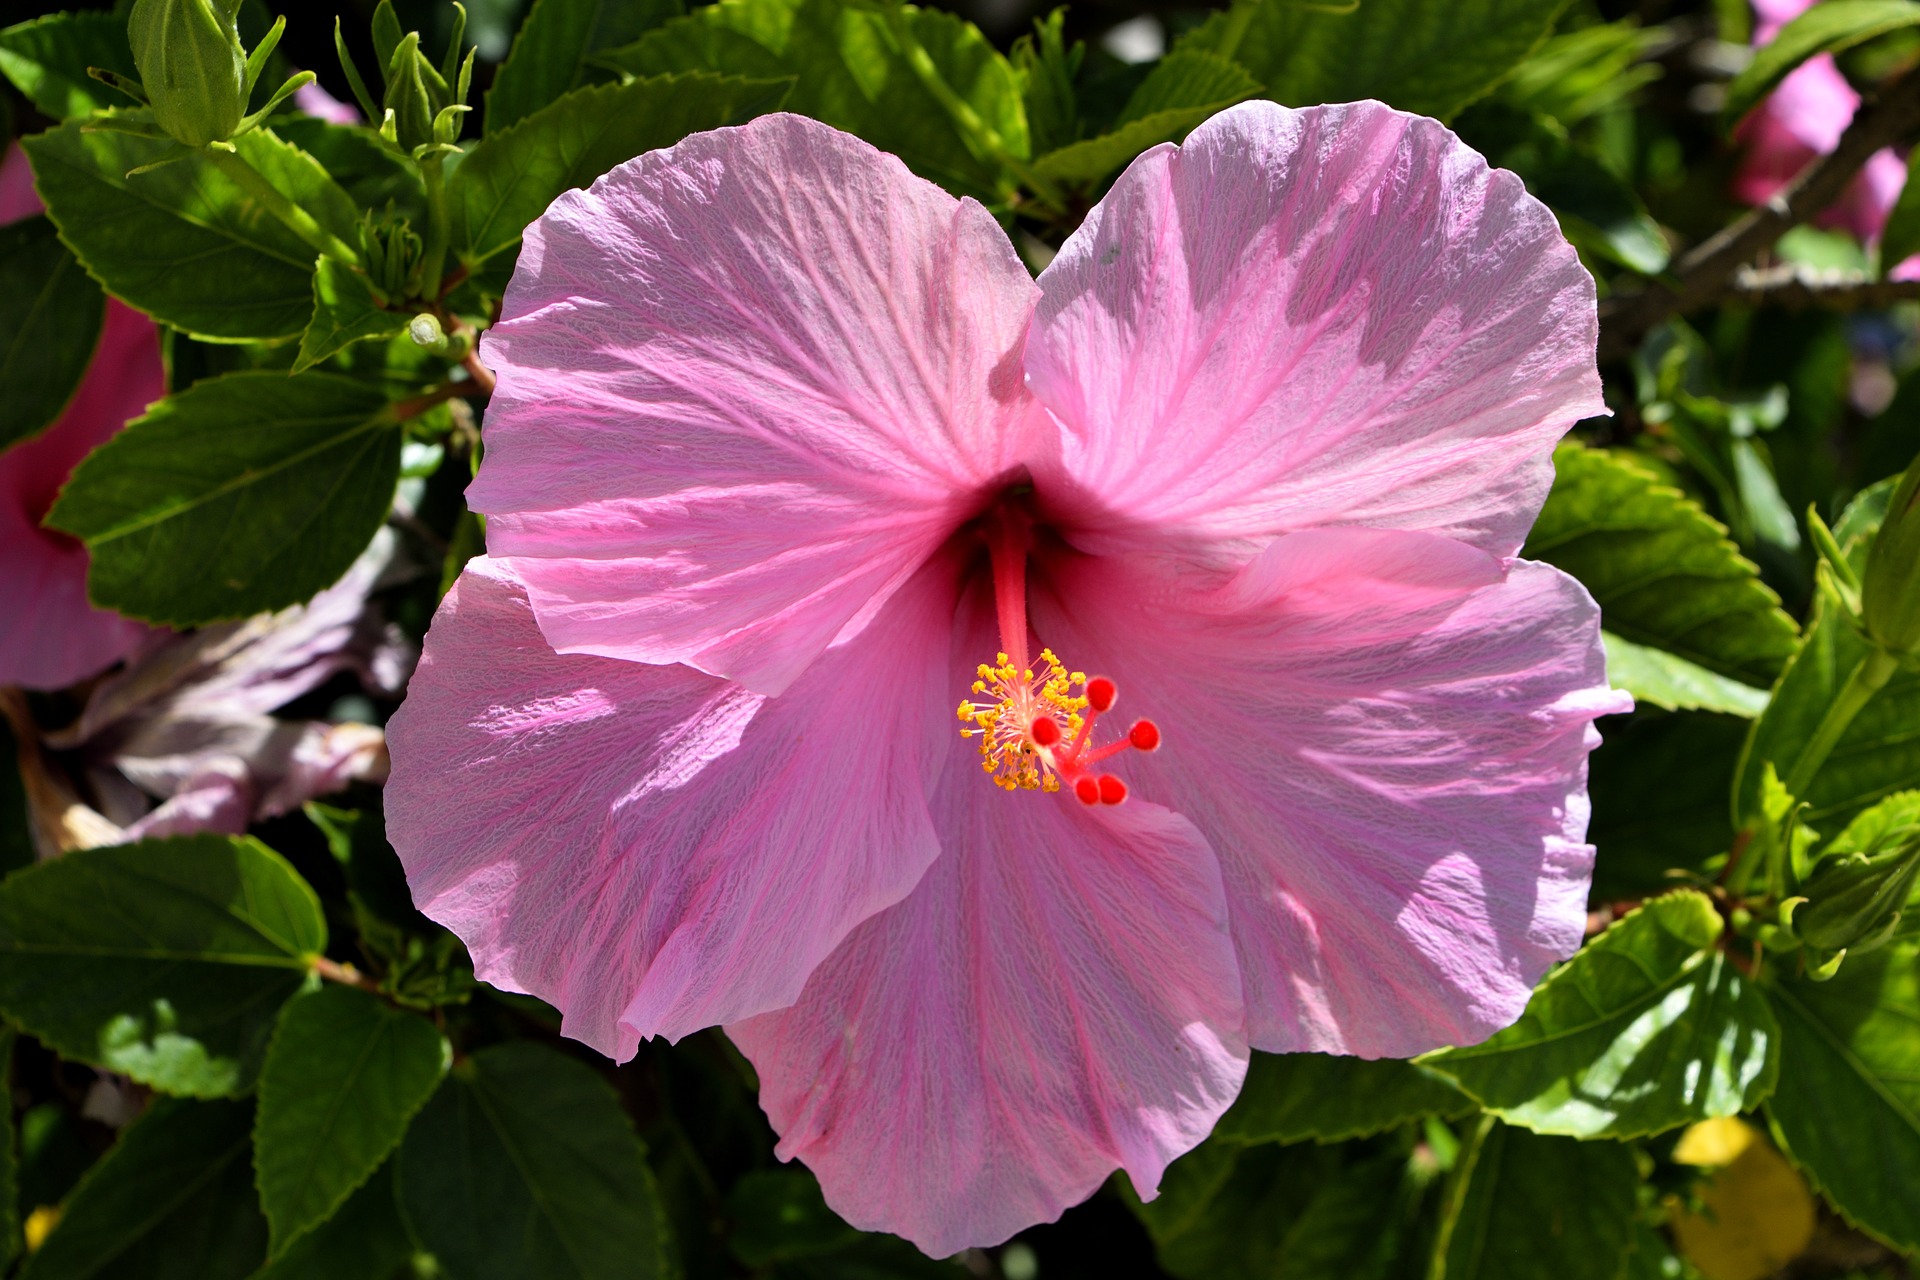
(369, 172)
(509, 179)
(524, 1165)
(1524, 1206)
(164, 960)
(1657, 678)
(344, 312)
(50, 319)
(173, 1200)
(1661, 569)
(1649, 1026)
(1292, 1096)
(1182, 90)
(47, 60)
(242, 494)
(551, 52)
(1823, 28)
(343, 1077)
(1848, 1107)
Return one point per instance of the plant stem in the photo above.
(433, 256)
(344, 974)
(296, 219)
(1867, 679)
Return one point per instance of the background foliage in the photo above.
(251, 1057)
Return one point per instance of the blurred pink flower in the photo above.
(321, 105)
(51, 636)
(787, 444)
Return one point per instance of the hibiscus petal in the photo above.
(1397, 794)
(1057, 998)
(1333, 316)
(649, 848)
(747, 385)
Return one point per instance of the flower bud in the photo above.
(192, 66)
(1855, 900)
(1890, 588)
(425, 331)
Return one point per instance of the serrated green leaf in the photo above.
(1848, 1107)
(343, 1077)
(366, 1238)
(550, 54)
(173, 1200)
(1661, 569)
(243, 494)
(344, 312)
(50, 320)
(1182, 90)
(852, 71)
(183, 241)
(1659, 785)
(524, 1165)
(366, 169)
(1413, 54)
(1289, 1097)
(165, 960)
(1657, 678)
(47, 60)
(1524, 1206)
(1824, 28)
(1649, 1026)
(511, 177)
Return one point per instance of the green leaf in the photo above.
(1824, 28)
(1578, 74)
(242, 494)
(9, 1160)
(1414, 54)
(173, 1200)
(344, 312)
(1661, 568)
(524, 1165)
(366, 169)
(511, 177)
(165, 960)
(366, 1238)
(1659, 785)
(1182, 90)
(780, 1215)
(183, 241)
(1901, 239)
(1878, 754)
(857, 71)
(1647, 1027)
(47, 60)
(343, 1077)
(1291, 1096)
(1848, 1107)
(550, 54)
(1655, 677)
(50, 319)
(1528, 1207)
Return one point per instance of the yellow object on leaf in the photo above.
(1756, 1212)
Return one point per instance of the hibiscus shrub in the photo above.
(1414, 502)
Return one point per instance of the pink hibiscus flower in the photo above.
(52, 636)
(789, 456)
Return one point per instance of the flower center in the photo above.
(1035, 722)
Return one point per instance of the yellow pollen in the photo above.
(1011, 700)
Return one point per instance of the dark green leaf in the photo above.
(1660, 567)
(1182, 90)
(47, 60)
(550, 54)
(1291, 1096)
(173, 1200)
(1528, 1207)
(242, 494)
(369, 172)
(50, 318)
(344, 1075)
(9, 1160)
(344, 312)
(1416, 55)
(365, 1240)
(1848, 1107)
(166, 960)
(509, 179)
(1901, 239)
(1659, 785)
(1824, 28)
(524, 1165)
(1660, 679)
(780, 1215)
(858, 71)
(1649, 1026)
(183, 241)
(16, 821)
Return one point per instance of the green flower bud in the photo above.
(426, 332)
(192, 66)
(1890, 588)
(1855, 900)
(415, 94)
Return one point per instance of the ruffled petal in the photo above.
(649, 848)
(747, 385)
(1384, 736)
(1332, 316)
(52, 635)
(1055, 1000)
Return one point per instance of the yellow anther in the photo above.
(1012, 700)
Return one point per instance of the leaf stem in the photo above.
(433, 256)
(1867, 679)
(344, 974)
(296, 219)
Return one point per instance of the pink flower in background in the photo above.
(321, 105)
(788, 447)
(51, 635)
